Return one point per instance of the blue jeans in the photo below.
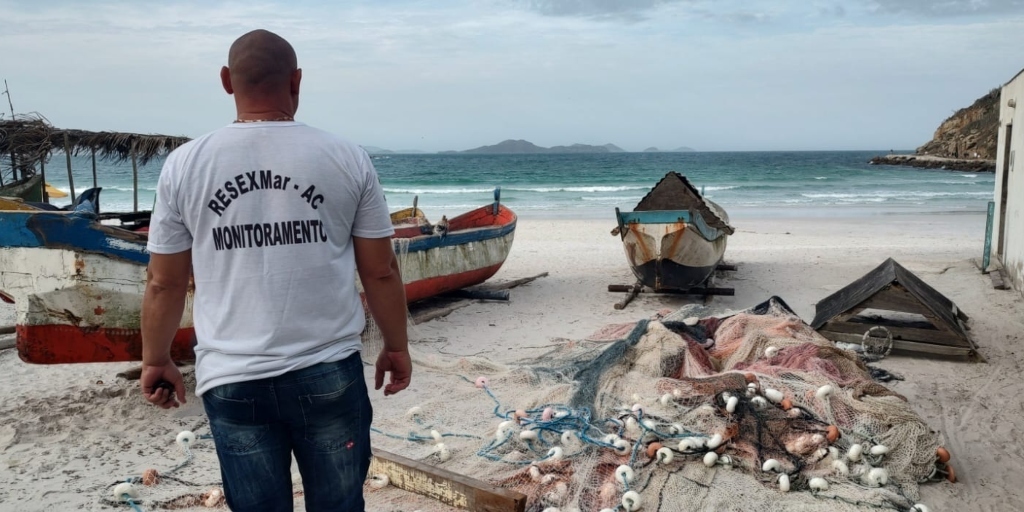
(321, 414)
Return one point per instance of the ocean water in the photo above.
(828, 183)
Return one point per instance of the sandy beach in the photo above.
(68, 433)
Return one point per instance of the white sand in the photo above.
(68, 432)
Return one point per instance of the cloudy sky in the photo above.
(455, 74)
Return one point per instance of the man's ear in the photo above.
(296, 79)
(225, 80)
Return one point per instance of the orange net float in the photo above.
(150, 477)
(832, 434)
(942, 454)
(653, 448)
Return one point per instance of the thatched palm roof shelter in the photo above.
(27, 141)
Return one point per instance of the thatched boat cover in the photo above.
(29, 139)
(675, 192)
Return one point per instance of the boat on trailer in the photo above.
(675, 237)
(77, 278)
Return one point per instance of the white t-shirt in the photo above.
(269, 211)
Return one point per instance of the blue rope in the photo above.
(131, 503)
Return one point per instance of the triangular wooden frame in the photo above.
(891, 287)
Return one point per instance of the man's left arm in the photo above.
(162, 307)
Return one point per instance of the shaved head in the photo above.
(261, 63)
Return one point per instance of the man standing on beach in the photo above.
(275, 219)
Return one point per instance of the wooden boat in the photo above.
(77, 278)
(29, 188)
(453, 254)
(675, 237)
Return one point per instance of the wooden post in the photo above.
(14, 168)
(94, 168)
(42, 172)
(630, 295)
(71, 177)
(135, 180)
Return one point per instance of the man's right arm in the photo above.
(385, 297)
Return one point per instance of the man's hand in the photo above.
(162, 385)
(399, 364)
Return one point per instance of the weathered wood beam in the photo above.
(135, 179)
(907, 333)
(514, 283)
(480, 294)
(445, 486)
(909, 346)
(71, 177)
(631, 294)
(426, 316)
(895, 298)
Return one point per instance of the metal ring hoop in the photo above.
(881, 349)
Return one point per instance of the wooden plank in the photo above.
(904, 345)
(514, 283)
(479, 294)
(71, 177)
(702, 291)
(906, 333)
(135, 179)
(7, 329)
(959, 313)
(618, 288)
(998, 281)
(895, 298)
(445, 486)
(428, 315)
(630, 295)
(848, 315)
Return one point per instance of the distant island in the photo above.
(374, 150)
(524, 147)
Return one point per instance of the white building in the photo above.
(1008, 221)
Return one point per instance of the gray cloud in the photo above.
(628, 8)
(947, 7)
(637, 10)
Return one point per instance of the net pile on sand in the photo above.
(713, 414)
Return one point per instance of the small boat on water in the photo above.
(674, 237)
(76, 278)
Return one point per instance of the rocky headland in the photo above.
(936, 162)
(966, 141)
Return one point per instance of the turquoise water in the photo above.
(592, 185)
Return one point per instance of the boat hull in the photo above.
(27, 189)
(77, 285)
(670, 250)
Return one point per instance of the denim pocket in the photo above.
(332, 412)
(233, 419)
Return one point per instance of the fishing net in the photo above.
(716, 413)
